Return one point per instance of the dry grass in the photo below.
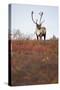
(34, 62)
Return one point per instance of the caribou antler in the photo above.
(41, 14)
(32, 18)
(42, 22)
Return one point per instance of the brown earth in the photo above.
(34, 62)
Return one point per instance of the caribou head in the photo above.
(38, 25)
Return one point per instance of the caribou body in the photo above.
(40, 31)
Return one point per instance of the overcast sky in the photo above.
(21, 19)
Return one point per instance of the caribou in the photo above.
(40, 31)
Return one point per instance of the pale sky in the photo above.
(21, 19)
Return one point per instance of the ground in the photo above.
(34, 62)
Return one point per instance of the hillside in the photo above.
(34, 62)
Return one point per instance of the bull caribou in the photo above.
(40, 31)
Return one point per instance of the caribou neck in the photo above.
(38, 26)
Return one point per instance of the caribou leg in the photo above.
(44, 36)
(37, 37)
(40, 37)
